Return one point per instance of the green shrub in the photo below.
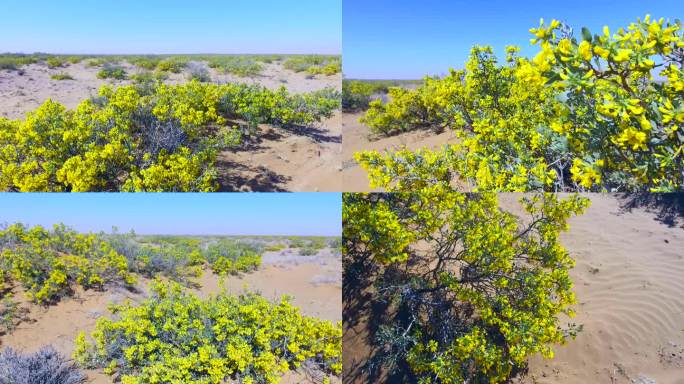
(198, 72)
(228, 256)
(74, 59)
(474, 289)
(177, 337)
(48, 264)
(11, 61)
(9, 313)
(47, 366)
(62, 76)
(165, 138)
(111, 71)
(149, 63)
(173, 65)
(54, 62)
(243, 66)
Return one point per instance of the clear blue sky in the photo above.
(408, 39)
(171, 26)
(185, 213)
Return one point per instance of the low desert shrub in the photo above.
(48, 264)
(47, 366)
(227, 256)
(314, 64)
(243, 66)
(112, 71)
(308, 250)
(472, 290)
(175, 336)
(9, 312)
(75, 59)
(149, 63)
(275, 248)
(62, 76)
(134, 139)
(54, 62)
(593, 112)
(174, 65)
(197, 71)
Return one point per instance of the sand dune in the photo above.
(629, 282)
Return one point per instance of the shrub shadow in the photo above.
(237, 177)
(668, 207)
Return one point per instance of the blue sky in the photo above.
(407, 39)
(171, 26)
(185, 213)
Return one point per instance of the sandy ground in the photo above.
(286, 160)
(313, 282)
(356, 138)
(629, 280)
(283, 160)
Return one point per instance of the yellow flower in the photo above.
(585, 50)
(633, 138)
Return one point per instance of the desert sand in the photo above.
(306, 159)
(629, 280)
(356, 137)
(312, 282)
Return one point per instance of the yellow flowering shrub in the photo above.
(624, 105)
(474, 289)
(160, 138)
(600, 113)
(176, 337)
(49, 263)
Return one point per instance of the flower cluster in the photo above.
(600, 113)
(136, 139)
(474, 289)
(177, 337)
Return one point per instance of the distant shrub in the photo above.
(329, 69)
(197, 71)
(308, 250)
(314, 64)
(112, 71)
(48, 264)
(176, 337)
(62, 76)
(15, 61)
(74, 59)
(54, 62)
(171, 65)
(8, 63)
(8, 314)
(243, 66)
(96, 62)
(297, 242)
(46, 366)
(228, 256)
(146, 62)
(356, 95)
(275, 248)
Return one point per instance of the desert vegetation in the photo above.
(589, 112)
(452, 287)
(142, 138)
(171, 334)
(250, 106)
(241, 65)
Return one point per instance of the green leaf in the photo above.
(586, 34)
